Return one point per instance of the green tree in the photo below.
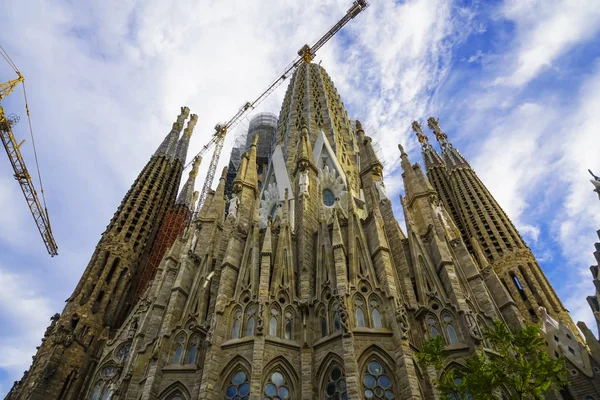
(520, 364)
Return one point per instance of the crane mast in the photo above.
(39, 213)
(306, 54)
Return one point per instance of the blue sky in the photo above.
(516, 85)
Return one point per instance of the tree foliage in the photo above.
(518, 363)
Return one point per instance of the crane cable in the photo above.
(37, 166)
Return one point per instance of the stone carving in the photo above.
(441, 216)
(233, 207)
(381, 191)
(49, 370)
(53, 320)
(304, 182)
(211, 330)
(341, 306)
(260, 322)
(194, 257)
(473, 328)
(402, 319)
(63, 336)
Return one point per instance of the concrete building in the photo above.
(304, 287)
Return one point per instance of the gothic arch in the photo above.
(372, 379)
(282, 365)
(374, 351)
(236, 364)
(329, 361)
(176, 388)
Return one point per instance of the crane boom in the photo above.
(306, 54)
(40, 214)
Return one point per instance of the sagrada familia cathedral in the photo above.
(301, 284)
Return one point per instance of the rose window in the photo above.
(376, 383)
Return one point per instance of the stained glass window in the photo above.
(239, 387)
(276, 388)
(359, 313)
(251, 321)
(192, 351)
(375, 313)
(235, 329)
(178, 355)
(335, 388)
(123, 352)
(288, 325)
(433, 326)
(273, 322)
(328, 197)
(452, 336)
(376, 383)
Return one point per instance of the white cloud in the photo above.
(545, 31)
(24, 315)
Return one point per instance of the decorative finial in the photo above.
(433, 124)
(185, 111)
(401, 150)
(424, 140)
(359, 126)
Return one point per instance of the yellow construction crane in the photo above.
(306, 54)
(40, 214)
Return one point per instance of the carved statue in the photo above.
(440, 215)
(381, 190)
(233, 207)
(304, 182)
(434, 124)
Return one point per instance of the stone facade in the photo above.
(307, 287)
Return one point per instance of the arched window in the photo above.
(337, 326)
(176, 396)
(273, 321)
(251, 321)
(376, 383)
(335, 385)
(323, 319)
(287, 333)
(455, 396)
(450, 330)
(238, 387)
(123, 352)
(178, 355)
(276, 388)
(192, 351)
(434, 329)
(97, 391)
(375, 313)
(358, 312)
(235, 329)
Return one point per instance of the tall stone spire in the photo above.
(180, 152)
(106, 291)
(169, 144)
(480, 216)
(187, 192)
(438, 174)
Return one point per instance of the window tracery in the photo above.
(377, 384)
(239, 387)
(375, 313)
(433, 326)
(251, 322)
(287, 332)
(236, 326)
(450, 330)
(192, 351)
(358, 312)
(276, 388)
(335, 386)
(274, 321)
(178, 354)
